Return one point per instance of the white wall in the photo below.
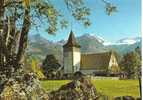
(112, 62)
(72, 60)
(68, 62)
(76, 60)
(113, 65)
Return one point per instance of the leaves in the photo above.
(110, 9)
(26, 3)
(45, 11)
(50, 64)
(81, 13)
(36, 69)
(49, 12)
(130, 63)
(87, 23)
(64, 23)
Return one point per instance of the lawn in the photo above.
(110, 88)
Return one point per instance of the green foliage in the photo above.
(32, 64)
(110, 9)
(46, 10)
(36, 69)
(50, 65)
(79, 11)
(138, 50)
(131, 63)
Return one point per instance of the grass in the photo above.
(50, 85)
(110, 88)
(117, 87)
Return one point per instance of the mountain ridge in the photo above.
(40, 47)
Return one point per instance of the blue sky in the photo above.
(124, 23)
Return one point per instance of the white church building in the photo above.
(99, 63)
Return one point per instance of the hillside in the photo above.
(40, 47)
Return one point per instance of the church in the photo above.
(98, 63)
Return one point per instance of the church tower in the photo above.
(71, 55)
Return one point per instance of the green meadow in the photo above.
(110, 88)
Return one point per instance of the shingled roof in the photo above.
(72, 41)
(99, 61)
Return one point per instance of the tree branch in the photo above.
(12, 2)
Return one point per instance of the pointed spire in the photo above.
(71, 41)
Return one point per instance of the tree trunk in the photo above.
(1, 9)
(24, 36)
(1, 30)
(12, 32)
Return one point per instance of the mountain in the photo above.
(124, 48)
(125, 45)
(91, 44)
(129, 40)
(40, 47)
(95, 44)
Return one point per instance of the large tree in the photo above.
(131, 64)
(51, 66)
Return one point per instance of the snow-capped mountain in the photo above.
(100, 39)
(91, 43)
(129, 40)
(124, 41)
(93, 36)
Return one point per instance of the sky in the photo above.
(126, 23)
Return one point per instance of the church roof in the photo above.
(99, 61)
(71, 41)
